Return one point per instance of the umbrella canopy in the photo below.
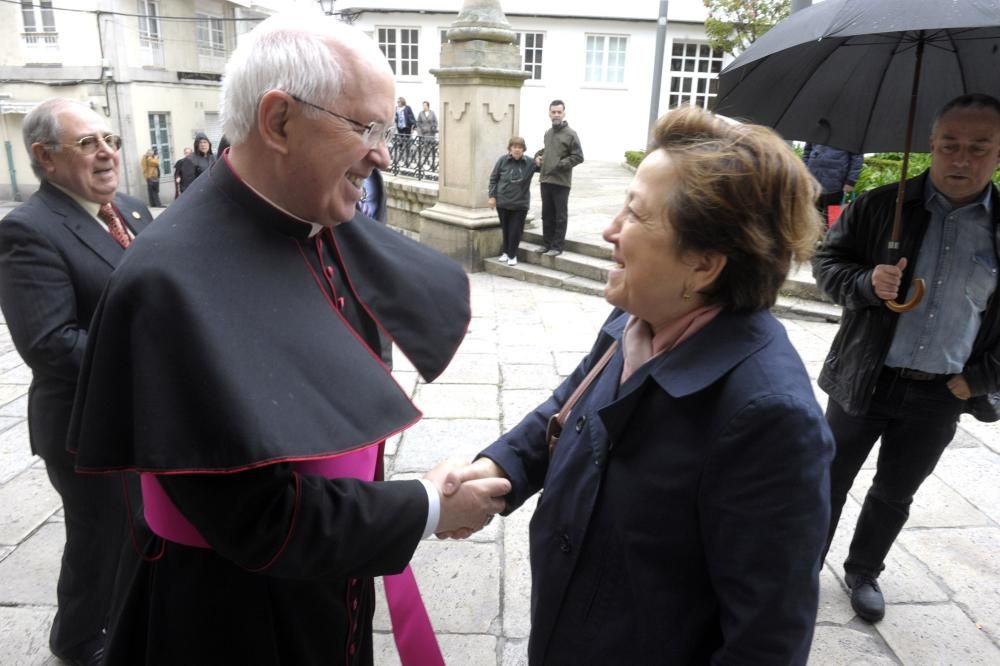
(841, 73)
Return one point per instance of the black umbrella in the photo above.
(860, 75)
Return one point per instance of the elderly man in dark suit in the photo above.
(57, 251)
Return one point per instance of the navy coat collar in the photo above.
(703, 359)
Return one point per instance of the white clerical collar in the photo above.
(314, 227)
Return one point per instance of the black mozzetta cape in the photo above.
(217, 348)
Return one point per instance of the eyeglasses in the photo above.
(88, 145)
(371, 134)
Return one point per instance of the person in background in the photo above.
(836, 171)
(404, 117)
(905, 378)
(427, 122)
(686, 501)
(57, 251)
(246, 328)
(151, 172)
(510, 195)
(562, 152)
(202, 157)
(184, 172)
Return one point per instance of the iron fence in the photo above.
(414, 156)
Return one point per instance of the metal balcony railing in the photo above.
(414, 156)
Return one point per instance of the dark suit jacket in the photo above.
(684, 512)
(54, 262)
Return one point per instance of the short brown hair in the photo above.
(741, 192)
(516, 141)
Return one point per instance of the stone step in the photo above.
(570, 261)
(548, 277)
(602, 251)
(587, 271)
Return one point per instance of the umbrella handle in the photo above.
(918, 295)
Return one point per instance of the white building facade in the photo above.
(153, 67)
(598, 57)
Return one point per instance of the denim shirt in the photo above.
(958, 262)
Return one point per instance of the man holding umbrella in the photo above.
(907, 377)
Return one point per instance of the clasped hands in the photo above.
(471, 494)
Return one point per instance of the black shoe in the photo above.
(866, 597)
(90, 653)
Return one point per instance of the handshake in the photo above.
(471, 494)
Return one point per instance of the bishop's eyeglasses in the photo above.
(371, 134)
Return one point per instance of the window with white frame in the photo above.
(211, 37)
(605, 59)
(694, 74)
(159, 138)
(531, 52)
(149, 33)
(401, 49)
(39, 23)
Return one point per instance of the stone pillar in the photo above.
(480, 80)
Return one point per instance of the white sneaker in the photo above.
(512, 261)
(504, 257)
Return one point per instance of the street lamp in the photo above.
(326, 6)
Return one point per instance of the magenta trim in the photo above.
(411, 625)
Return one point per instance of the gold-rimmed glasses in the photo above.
(88, 145)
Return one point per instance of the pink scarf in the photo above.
(639, 345)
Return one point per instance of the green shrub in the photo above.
(883, 169)
(633, 157)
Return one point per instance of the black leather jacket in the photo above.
(843, 267)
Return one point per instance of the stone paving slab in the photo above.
(432, 440)
(456, 401)
(843, 646)
(967, 562)
(26, 502)
(471, 369)
(25, 633)
(455, 648)
(941, 579)
(976, 474)
(11, 397)
(28, 575)
(938, 634)
(15, 451)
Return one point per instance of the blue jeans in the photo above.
(916, 421)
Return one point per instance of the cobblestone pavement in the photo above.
(942, 583)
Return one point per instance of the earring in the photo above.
(686, 295)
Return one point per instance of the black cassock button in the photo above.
(564, 543)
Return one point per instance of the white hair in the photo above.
(41, 125)
(293, 53)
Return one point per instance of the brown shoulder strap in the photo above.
(585, 384)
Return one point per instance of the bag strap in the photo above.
(557, 421)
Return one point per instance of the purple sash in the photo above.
(411, 626)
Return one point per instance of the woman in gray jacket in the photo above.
(510, 195)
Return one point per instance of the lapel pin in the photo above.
(136, 215)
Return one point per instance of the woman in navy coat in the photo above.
(686, 504)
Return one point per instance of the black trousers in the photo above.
(511, 229)
(555, 200)
(153, 188)
(94, 511)
(916, 421)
